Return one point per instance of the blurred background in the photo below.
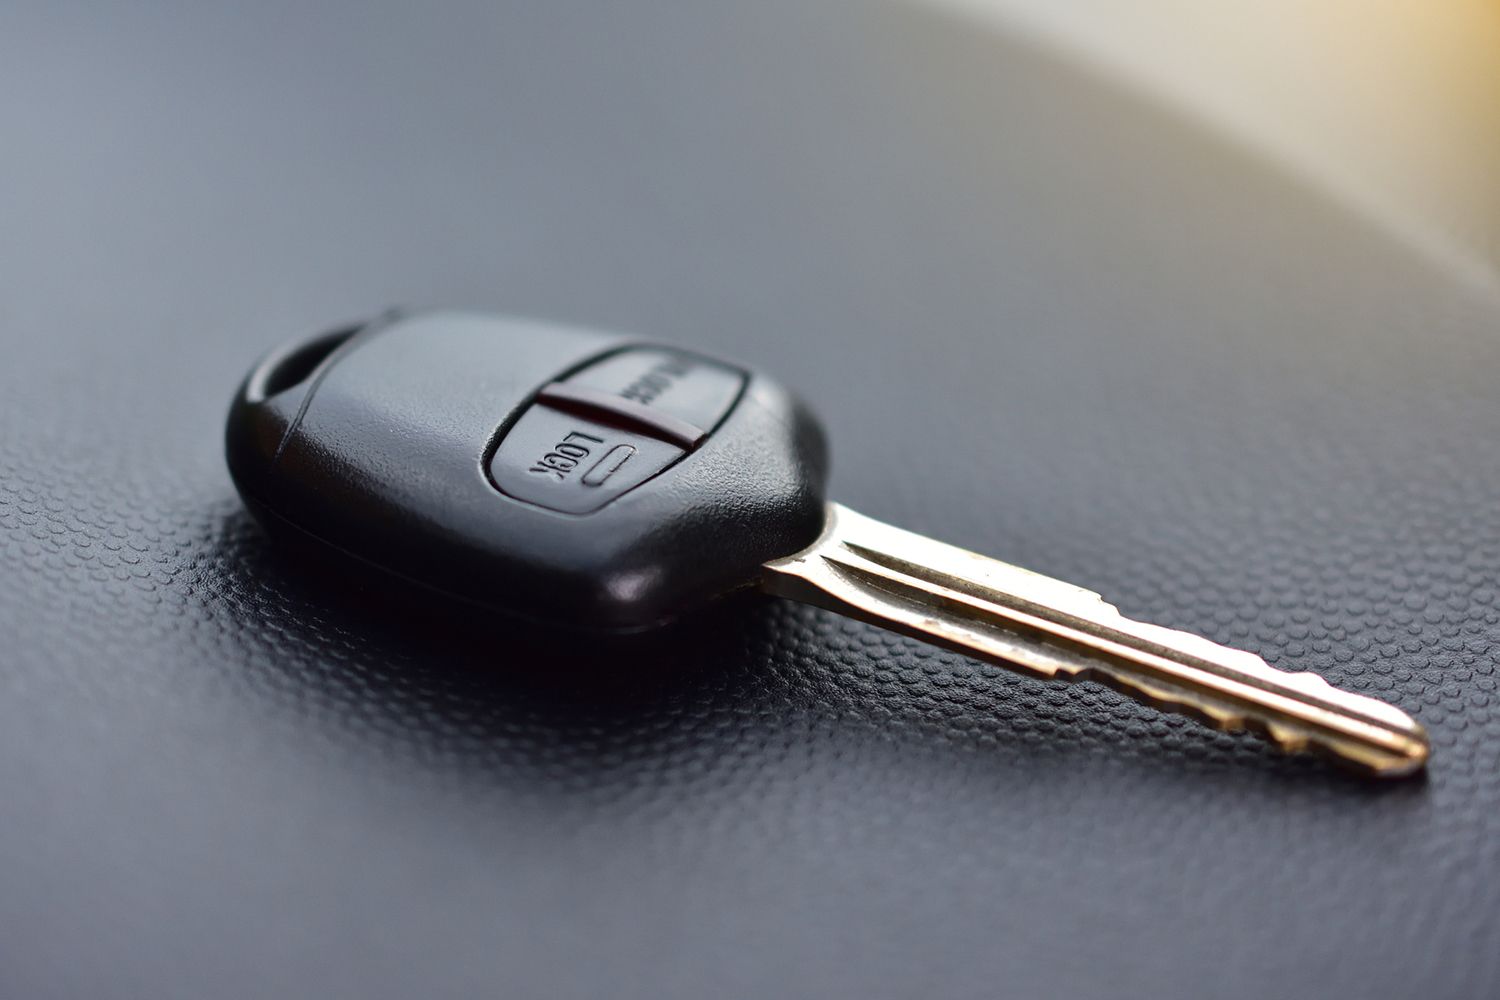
(1390, 107)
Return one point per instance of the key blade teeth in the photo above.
(1406, 760)
(1286, 739)
(1046, 628)
(1404, 755)
(1218, 717)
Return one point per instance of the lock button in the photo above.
(573, 465)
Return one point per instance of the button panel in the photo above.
(611, 426)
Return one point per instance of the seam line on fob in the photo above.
(315, 382)
(627, 414)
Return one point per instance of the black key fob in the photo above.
(564, 475)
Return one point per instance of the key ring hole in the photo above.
(293, 364)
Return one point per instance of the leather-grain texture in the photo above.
(1039, 317)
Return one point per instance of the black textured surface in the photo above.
(381, 451)
(1040, 319)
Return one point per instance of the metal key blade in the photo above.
(1012, 617)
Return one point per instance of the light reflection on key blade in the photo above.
(1022, 620)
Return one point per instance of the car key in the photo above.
(595, 481)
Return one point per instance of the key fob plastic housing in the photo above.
(558, 474)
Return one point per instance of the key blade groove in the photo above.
(1046, 628)
(1231, 698)
(1104, 625)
